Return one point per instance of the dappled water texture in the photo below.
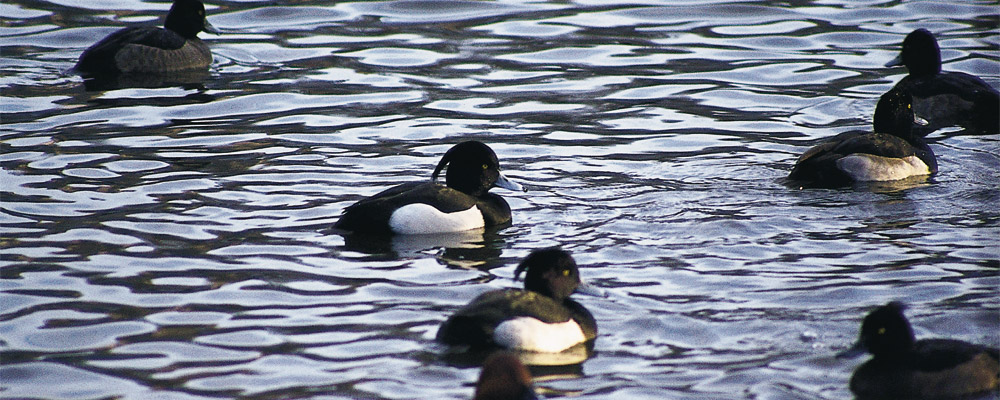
(172, 237)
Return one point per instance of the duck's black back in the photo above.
(940, 354)
(101, 56)
(819, 165)
(953, 99)
(931, 369)
(372, 214)
(475, 323)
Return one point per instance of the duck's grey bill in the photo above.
(895, 61)
(212, 29)
(590, 290)
(505, 183)
(856, 350)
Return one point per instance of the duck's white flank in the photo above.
(867, 167)
(419, 218)
(530, 334)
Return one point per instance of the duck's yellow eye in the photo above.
(565, 272)
(881, 331)
(485, 166)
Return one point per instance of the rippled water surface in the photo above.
(171, 237)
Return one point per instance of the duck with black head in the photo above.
(944, 98)
(541, 318)
(153, 50)
(892, 152)
(902, 367)
(463, 203)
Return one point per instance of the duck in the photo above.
(541, 318)
(504, 377)
(153, 50)
(892, 152)
(902, 367)
(463, 203)
(945, 98)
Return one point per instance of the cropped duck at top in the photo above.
(504, 377)
(905, 368)
(462, 204)
(540, 318)
(945, 98)
(149, 49)
(893, 151)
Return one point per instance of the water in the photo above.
(172, 239)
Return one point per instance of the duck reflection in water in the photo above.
(504, 377)
(476, 249)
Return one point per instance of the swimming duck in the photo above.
(541, 318)
(149, 49)
(892, 152)
(905, 368)
(462, 204)
(945, 98)
(504, 377)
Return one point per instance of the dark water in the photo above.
(172, 239)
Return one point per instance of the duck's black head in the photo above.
(551, 272)
(473, 168)
(894, 115)
(920, 54)
(187, 18)
(886, 332)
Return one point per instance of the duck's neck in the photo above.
(931, 67)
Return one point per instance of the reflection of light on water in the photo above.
(571, 356)
(186, 208)
(416, 243)
(472, 249)
(888, 187)
(448, 248)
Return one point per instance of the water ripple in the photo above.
(172, 237)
